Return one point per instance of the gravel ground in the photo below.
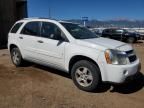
(41, 87)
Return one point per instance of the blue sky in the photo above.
(94, 9)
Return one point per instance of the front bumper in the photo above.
(119, 73)
(132, 77)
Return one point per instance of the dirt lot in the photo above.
(41, 87)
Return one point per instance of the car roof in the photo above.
(114, 29)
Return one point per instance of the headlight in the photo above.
(116, 57)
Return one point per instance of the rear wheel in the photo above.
(85, 75)
(16, 57)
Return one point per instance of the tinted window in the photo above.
(16, 27)
(113, 31)
(50, 31)
(106, 31)
(31, 28)
(119, 31)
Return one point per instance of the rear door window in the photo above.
(107, 31)
(31, 28)
(16, 27)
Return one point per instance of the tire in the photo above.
(85, 75)
(131, 40)
(16, 57)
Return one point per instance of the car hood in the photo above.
(104, 43)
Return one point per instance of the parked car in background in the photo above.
(66, 46)
(97, 31)
(142, 36)
(121, 34)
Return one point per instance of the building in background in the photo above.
(10, 12)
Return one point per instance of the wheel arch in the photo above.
(76, 58)
(11, 46)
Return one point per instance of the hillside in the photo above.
(112, 23)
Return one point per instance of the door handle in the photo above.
(21, 37)
(40, 41)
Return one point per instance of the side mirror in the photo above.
(60, 36)
(60, 41)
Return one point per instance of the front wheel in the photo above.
(85, 75)
(131, 40)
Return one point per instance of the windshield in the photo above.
(121, 30)
(78, 31)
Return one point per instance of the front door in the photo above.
(51, 46)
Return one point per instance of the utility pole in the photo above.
(49, 13)
(84, 23)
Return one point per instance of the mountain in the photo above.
(112, 23)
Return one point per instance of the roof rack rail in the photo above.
(43, 18)
(39, 18)
(30, 18)
(48, 18)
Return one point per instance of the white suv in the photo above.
(74, 49)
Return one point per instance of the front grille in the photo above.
(131, 55)
(129, 52)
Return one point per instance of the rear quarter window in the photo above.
(16, 27)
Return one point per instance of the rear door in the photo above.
(27, 39)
